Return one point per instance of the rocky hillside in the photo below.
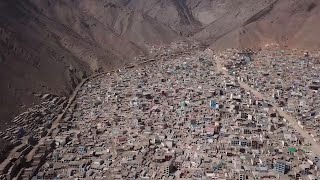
(284, 23)
(47, 46)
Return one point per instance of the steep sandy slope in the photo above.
(132, 25)
(48, 46)
(176, 14)
(32, 59)
(108, 23)
(286, 23)
(231, 15)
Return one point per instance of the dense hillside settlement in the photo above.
(159, 89)
(186, 114)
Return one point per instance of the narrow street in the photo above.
(315, 147)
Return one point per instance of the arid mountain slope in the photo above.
(48, 46)
(231, 15)
(285, 23)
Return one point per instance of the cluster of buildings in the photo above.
(173, 119)
(26, 130)
(291, 79)
(177, 117)
(175, 47)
